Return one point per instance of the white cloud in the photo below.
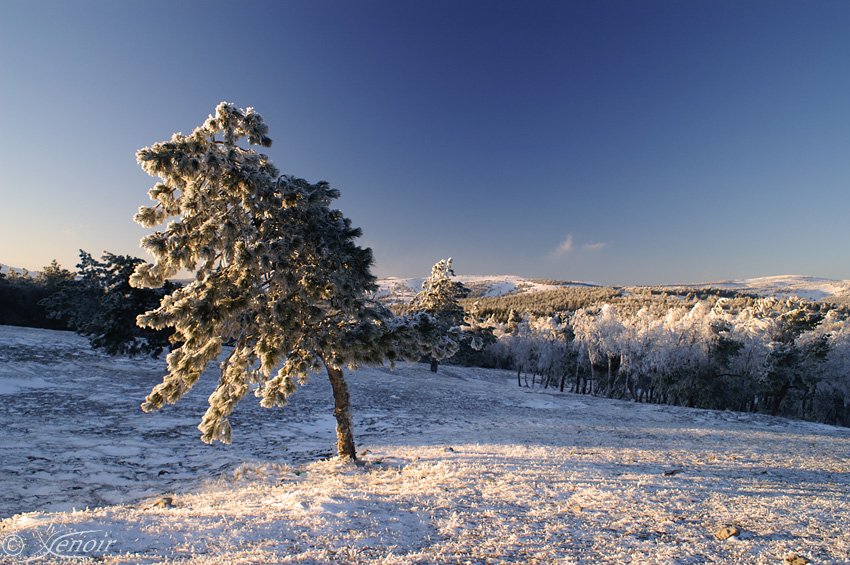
(566, 245)
(594, 246)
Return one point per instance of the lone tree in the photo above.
(440, 297)
(277, 275)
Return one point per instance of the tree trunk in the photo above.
(776, 400)
(434, 365)
(342, 412)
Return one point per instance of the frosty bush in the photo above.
(277, 275)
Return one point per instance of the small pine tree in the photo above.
(277, 274)
(440, 297)
(53, 275)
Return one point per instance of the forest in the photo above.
(785, 357)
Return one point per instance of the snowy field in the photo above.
(462, 466)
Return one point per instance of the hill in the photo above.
(810, 288)
(393, 290)
(461, 466)
(517, 290)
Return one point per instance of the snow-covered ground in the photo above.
(461, 466)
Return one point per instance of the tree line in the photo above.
(95, 301)
(22, 294)
(785, 357)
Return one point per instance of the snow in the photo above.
(501, 288)
(810, 288)
(400, 290)
(19, 383)
(461, 466)
(6, 269)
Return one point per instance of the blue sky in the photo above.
(616, 142)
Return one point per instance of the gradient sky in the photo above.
(615, 142)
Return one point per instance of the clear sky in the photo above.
(609, 141)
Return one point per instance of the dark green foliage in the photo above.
(468, 356)
(101, 305)
(543, 303)
(690, 294)
(572, 298)
(21, 296)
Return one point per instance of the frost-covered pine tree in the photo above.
(278, 276)
(440, 297)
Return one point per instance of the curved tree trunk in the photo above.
(342, 412)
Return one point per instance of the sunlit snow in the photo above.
(459, 466)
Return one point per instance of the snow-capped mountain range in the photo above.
(399, 290)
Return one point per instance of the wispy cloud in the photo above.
(594, 246)
(566, 246)
(569, 245)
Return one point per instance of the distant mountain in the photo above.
(810, 288)
(393, 290)
(400, 291)
(4, 268)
